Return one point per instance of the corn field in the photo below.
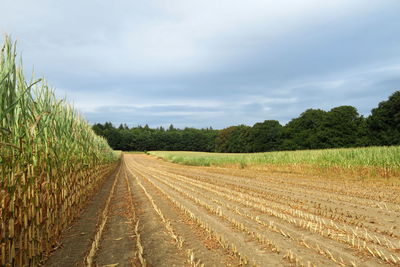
(50, 163)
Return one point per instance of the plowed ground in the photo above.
(164, 214)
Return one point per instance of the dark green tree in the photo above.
(313, 129)
(265, 136)
(343, 127)
(233, 139)
(223, 139)
(306, 131)
(384, 122)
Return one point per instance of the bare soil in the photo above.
(193, 216)
(117, 244)
(77, 239)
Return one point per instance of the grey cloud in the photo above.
(197, 63)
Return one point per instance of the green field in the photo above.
(369, 161)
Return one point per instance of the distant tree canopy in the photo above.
(384, 122)
(265, 136)
(145, 139)
(313, 129)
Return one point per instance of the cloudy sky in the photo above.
(201, 63)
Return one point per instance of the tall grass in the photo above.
(368, 161)
(50, 163)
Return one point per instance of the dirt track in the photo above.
(163, 214)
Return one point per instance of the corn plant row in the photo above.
(352, 240)
(51, 162)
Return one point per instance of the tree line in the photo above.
(339, 127)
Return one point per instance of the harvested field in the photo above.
(176, 215)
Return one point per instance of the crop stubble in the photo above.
(204, 216)
(263, 220)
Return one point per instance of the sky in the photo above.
(209, 63)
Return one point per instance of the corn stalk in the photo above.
(50, 163)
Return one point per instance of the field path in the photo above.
(155, 213)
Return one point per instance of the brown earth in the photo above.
(155, 213)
